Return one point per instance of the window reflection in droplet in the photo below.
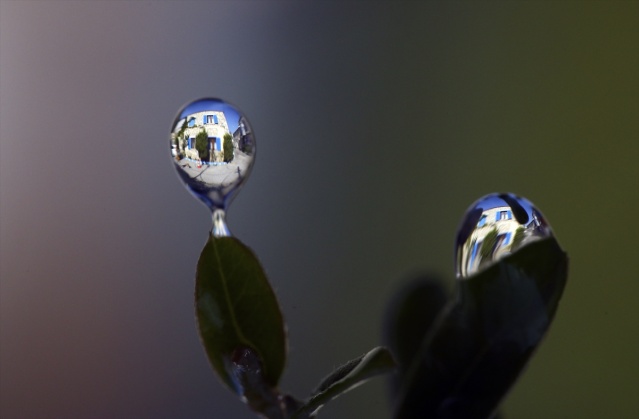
(213, 149)
(493, 227)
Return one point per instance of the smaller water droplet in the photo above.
(213, 150)
(493, 227)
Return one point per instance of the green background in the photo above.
(377, 125)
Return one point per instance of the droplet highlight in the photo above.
(219, 224)
(213, 150)
(493, 227)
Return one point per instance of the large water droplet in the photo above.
(213, 150)
(493, 227)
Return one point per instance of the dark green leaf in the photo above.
(410, 316)
(237, 309)
(377, 361)
(483, 339)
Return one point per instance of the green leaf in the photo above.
(237, 309)
(408, 318)
(348, 376)
(485, 336)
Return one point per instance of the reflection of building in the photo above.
(496, 226)
(243, 137)
(496, 234)
(493, 236)
(213, 123)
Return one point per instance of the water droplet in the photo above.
(213, 149)
(493, 227)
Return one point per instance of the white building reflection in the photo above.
(211, 160)
(215, 127)
(496, 234)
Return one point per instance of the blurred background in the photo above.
(377, 125)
